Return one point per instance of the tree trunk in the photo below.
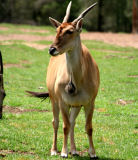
(100, 17)
(2, 92)
(135, 17)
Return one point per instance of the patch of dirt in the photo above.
(107, 114)
(18, 37)
(3, 28)
(125, 40)
(25, 37)
(30, 44)
(3, 153)
(33, 30)
(9, 65)
(6, 43)
(130, 40)
(25, 62)
(37, 46)
(133, 76)
(135, 132)
(17, 110)
(101, 109)
(124, 102)
(119, 56)
(108, 51)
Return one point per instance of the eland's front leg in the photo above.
(55, 123)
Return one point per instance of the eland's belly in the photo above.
(81, 98)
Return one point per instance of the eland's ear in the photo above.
(54, 22)
(79, 25)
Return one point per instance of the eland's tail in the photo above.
(42, 95)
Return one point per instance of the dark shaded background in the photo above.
(108, 15)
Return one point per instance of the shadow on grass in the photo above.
(99, 158)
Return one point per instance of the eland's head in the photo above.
(67, 32)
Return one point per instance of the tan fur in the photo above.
(57, 78)
(73, 62)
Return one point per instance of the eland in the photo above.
(72, 81)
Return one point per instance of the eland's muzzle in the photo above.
(53, 51)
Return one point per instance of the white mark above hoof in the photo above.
(64, 155)
(53, 153)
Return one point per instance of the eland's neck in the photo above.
(74, 63)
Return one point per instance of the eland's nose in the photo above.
(52, 50)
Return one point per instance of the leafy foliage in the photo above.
(109, 15)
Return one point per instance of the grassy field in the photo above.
(26, 128)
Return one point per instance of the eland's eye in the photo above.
(69, 32)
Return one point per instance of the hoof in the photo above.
(53, 153)
(94, 158)
(74, 153)
(64, 155)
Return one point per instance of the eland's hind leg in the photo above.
(55, 123)
(88, 126)
(66, 127)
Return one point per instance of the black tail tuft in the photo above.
(42, 95)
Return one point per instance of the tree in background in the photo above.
(56, 9)
(135, 16)
(100, 15)
(108, 15)
(118, 15)
(91, 19)
(15, 11)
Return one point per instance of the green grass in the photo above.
(31, 30)
(29, 135)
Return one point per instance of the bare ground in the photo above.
(3, 153)
(120, 39)
(19, 65)
(125, 40)
(17, 110)
(34, 30)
